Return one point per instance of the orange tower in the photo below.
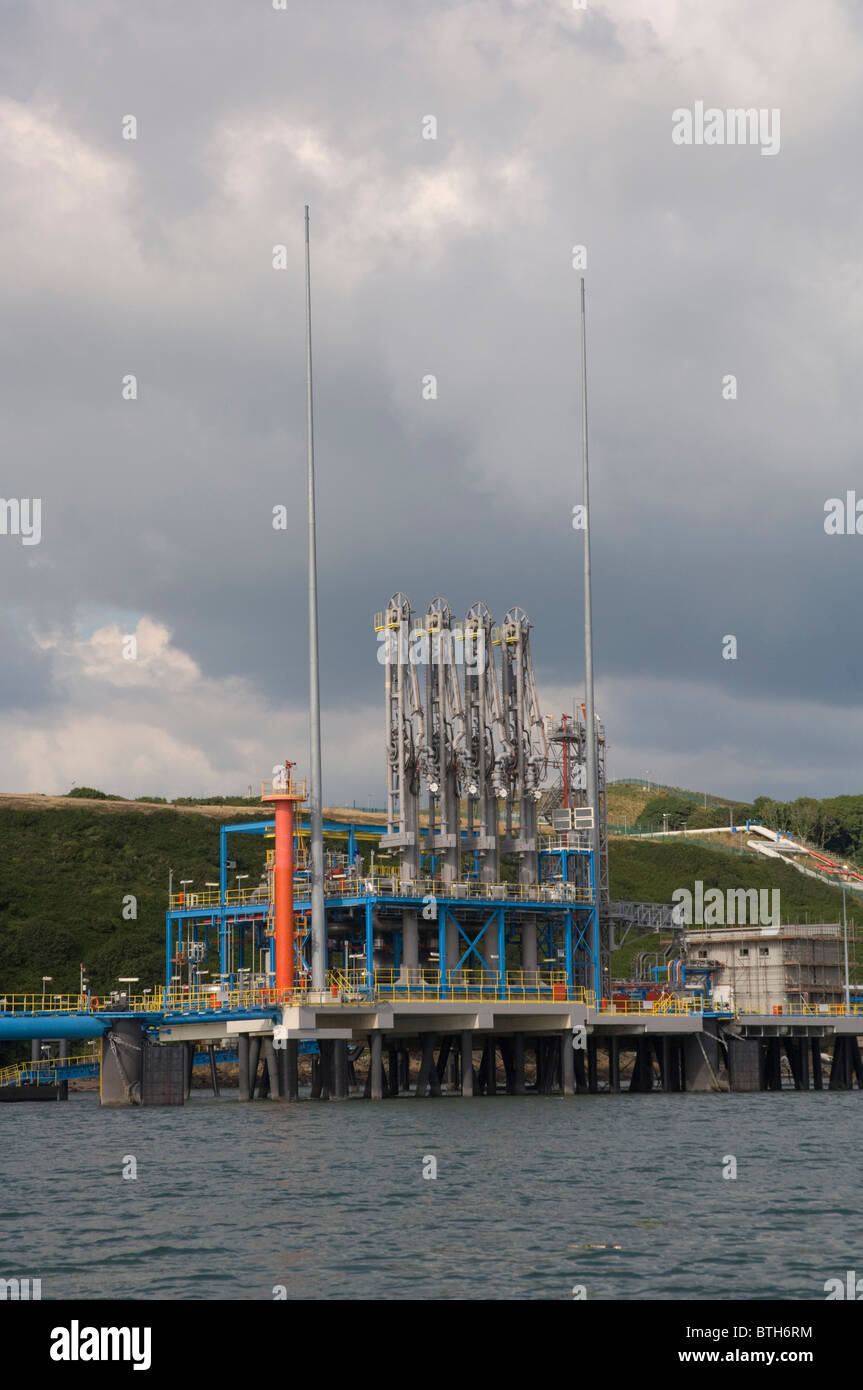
(286, 794)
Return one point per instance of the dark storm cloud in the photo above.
(708, 514)
(25, 673)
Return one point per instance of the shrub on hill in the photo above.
(707, 818)
(93, 794)
(677, 809)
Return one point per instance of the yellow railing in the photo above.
(283, 786)
(44, 1070)
(414, 983)
(301, 856)
(804, 1010)
(201, 1001)
(408, 983)
(42, 1003)
(669, 1004)
(209, 897)
(386, 882)
(391, 884)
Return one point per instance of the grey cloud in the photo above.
(708, 514)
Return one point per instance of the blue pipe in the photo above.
(14, 1028)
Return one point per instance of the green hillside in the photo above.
(65, 871)
(650, 871)
(64, 875)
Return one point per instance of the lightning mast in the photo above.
(316, 826)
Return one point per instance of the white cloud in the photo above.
(155, 726)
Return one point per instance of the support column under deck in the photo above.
(817, 1069)
(490, 1066)
(326, 1069)
(254, 1059)
(392, 1070)
(518, 1086)
(121, 1073)
(467, 1063)
(701, 1060)
(272, 1070)
(567, 1064)
(289, 1081)
(214, 1075)
(614, 1063)
(340, 1071)
(592, 1082)
(376, 1067)
(243, 1065)
(427, 1080)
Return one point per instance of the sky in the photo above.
(176, 258)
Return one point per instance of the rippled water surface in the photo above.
(623, 1194)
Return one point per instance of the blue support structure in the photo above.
(370, 942)
(441, 949)
(565, 928)
(223, 889)
(567, 947)
(472, 944)
(169, 947)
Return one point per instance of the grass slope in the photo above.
(64, 874)
(650, 871)
(65, 871)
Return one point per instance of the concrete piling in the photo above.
(518, 1083)
(340, 1070)
(614, 1063)
(121, 1072)
(567, 1064)
(467, 1064)
(376, 1068)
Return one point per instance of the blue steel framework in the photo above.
(569, 929)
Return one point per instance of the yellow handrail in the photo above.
(44, 1067)
(42, 1003)
(211, 897)
(387, 882)
(344, 987)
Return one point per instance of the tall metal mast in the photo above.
(316, 828)
(589, 717)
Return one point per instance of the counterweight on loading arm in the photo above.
(479, 747)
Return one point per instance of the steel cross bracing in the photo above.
(623, 917)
